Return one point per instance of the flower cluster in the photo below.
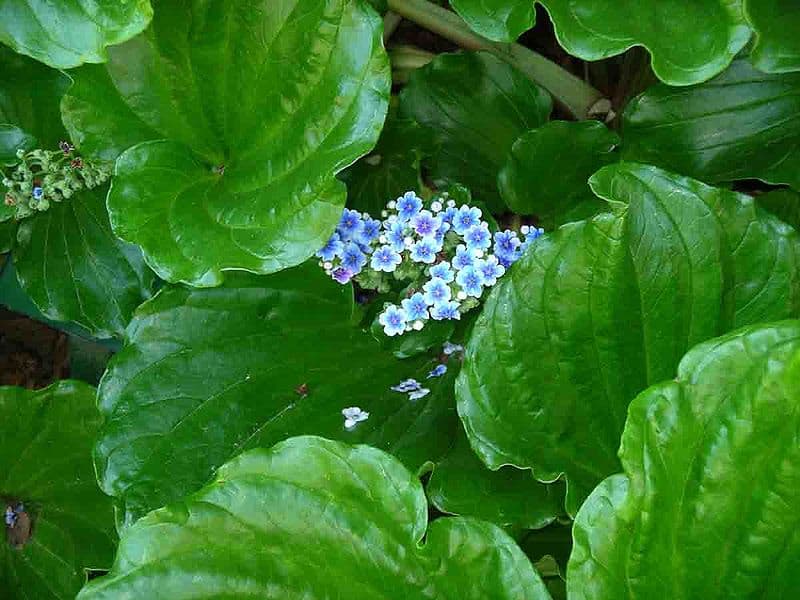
(43, 176)
(446, 255)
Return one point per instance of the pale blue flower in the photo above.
(490, 269)
(38, 193)
(446, 310)
(478, 237)
(436, 291)
(394, 320)
(449, 214)
(353, 415)
(506, 243)
(370, 230)
(443, 271)
(350, 225)
(416, 307)
(466, 218)
(408, 205)
(438, 371)
(332, 248)
(425, 224)
(407, 385)
(450, 348)
(464, 257)
(385, 259)
(342, 275)
(417, 394)
(395, 236)
(353, 258)
(470, 281)
(424, 251)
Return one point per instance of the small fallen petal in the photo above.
(417, 394)
(408, 385)
(438, 371)
(449, 348)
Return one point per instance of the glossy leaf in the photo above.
(45, 440)
(707, 505)
(498, 20)
(744, 124)
(462, 485)
(209, 373)
(776, 23)
(599, 310)
(476, 106)
(68, 33)
(250, 112)
(689, 40)
(12, 139)
(314, 518)
(548, 170)
(784, 204)
(391, 169)
(74, 269)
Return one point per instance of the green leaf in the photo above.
(498, 20)
(784, 204)
(310, 501)
(8, 230)
(208, 373)
(743, 124)
(74, 269)
(250, 113)
(689, 41)
(599, 310)
(475, 106)
(548, 169)
(707, 506)
(776, 23)
(68, 33)
(45, 440)
(391, 169)
(12, 138)
(462, 485)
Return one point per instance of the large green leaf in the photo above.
(462, 485)
(743, 124)
(784, 204)
(7, 231)
(689, 40)
(548, 169)
(391, 169)
(68, 33)
(707, 506)
(601, 309)
(74, 269)
(776, 23)
(314, 518)
(251, 111)
(476, 106)
(208, 373)
(498, 20)
(45, 440)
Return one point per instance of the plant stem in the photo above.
(569, 91)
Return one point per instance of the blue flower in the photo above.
(465, 218)
(416, 308)
(438, 371)
(353, 258)
(506, 243)
(350, 224)
(342, 275)
(408, 205)
(385, 259)
(332, 248)
(449, 214)
(442, 270)
(38, 192)
(370, 230)
(478, 237)
(396, 237)
(424, 251)
(490, 269)
(439, 234)
(464, 257)
(446, 310)
(394, 320)
(407, 385)
(425, 224)
(436, 291)
(471, 281)
(531, 234)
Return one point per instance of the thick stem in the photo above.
(569, 91)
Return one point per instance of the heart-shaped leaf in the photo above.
(548, 169)
(776, 23)
(475, 106)
(599, 310)
(707, 506)
(314, 518)
(68, 524)
(75, 269)
(462, 485)
(68, 33)
(251, 111)
(209, 373)
(689, 40)
(743, 124)
(498, 20)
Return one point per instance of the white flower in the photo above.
(353, 415)
(417, 394)
(436, 206)
(418, 325)
(461, 295)
(451, 203)
(391, 205)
